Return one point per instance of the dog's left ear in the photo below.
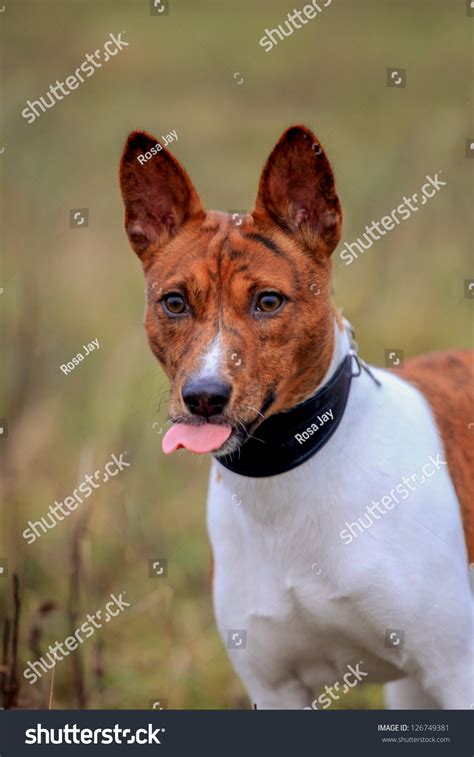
(297, 191)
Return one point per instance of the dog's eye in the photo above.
(174, 304)
(268, 302)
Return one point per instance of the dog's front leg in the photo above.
(441, 658)
(455, 689)
(407, 694)
(287, 695)
(444, 649)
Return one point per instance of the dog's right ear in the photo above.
(157, 192)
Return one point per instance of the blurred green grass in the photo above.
(65, 287)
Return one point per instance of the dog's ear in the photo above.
(157, 192)
(297, 191)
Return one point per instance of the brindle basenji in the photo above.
(319, 460)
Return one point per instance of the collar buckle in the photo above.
(357, 359)
(363, 366)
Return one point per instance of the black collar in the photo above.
(286, 440)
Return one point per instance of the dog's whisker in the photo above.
(249, 407)
(248, 434)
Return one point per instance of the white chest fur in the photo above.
(310, 602)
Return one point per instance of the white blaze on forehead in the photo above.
(212, 358)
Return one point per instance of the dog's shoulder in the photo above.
(446, 379)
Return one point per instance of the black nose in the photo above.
(206, 397)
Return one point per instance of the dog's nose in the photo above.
(206, 397)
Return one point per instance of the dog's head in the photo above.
(238, 310)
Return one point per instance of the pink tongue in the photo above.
(199, 439)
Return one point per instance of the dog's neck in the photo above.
(343, 343)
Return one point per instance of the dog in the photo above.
(319, 461)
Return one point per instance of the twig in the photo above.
(73, 608)
(51, 689)
(14, 683)
(5, 666)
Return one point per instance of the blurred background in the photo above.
(198, 70)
